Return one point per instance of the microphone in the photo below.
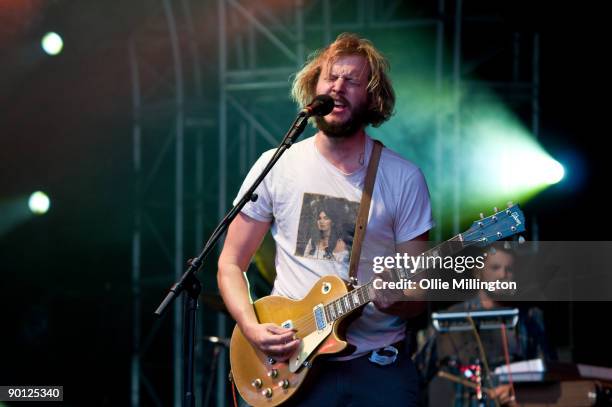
(321, 105)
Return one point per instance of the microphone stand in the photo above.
(189, 282)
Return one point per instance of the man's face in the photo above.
(499, 266)
(346, 81)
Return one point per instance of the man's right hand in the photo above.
(272, 340)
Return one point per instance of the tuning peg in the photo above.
(481, 215)
(510, 203)
(495, 209)
(521, 240)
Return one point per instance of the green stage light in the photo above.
(554, 172)
(538, 170)
(507, 159)
(52, 43)
(490, 159)
(39, 203)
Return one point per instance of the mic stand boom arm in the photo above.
(189, 282)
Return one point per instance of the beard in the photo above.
(345, 129)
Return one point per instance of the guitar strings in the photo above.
(307, 322)
(309, 318)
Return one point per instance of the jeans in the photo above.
(359, 382)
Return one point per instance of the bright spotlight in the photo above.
(52, 43)
(504, 162)
(554, 172)
(39, 203)
(529, 169)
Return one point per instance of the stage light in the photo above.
(503, 161)
(529, 169)
(52, 43)
(554, 172)
(39, 203)
(494, 160)
(539, 170)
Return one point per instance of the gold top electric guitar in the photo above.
(263, 381)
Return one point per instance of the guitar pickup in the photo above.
(319, 317)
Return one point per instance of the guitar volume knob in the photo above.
(284, 384)
(267, 392)
(256, 383)
(273, 373)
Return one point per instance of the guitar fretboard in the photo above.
(366, 293)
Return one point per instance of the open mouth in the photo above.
(339, 105)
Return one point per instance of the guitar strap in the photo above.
(364, 209)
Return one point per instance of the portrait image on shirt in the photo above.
(326, 228)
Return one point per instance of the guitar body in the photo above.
(319, 319)
(249, 364)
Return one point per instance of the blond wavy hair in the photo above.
(380, 91)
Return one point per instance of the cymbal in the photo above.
(214, 301)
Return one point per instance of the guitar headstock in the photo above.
(498, 226)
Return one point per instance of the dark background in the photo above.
(65, 127)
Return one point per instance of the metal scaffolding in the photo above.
(259, 45)
(518, 85)
(169, 125)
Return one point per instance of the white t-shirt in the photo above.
(301, 186)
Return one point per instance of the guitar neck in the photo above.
(362, 295)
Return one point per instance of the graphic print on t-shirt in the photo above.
(326, 228)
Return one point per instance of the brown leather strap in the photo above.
(364, 209)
